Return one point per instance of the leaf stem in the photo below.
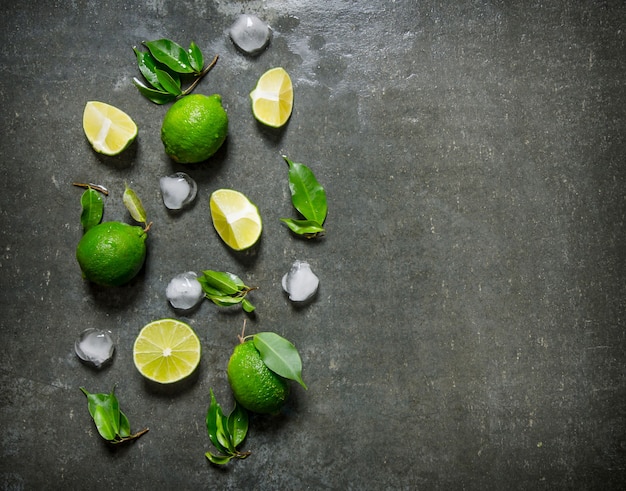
(101, 189)
(134, 436)
(208, 68)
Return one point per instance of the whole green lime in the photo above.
(255, 386)
(194, 128)
(111, 253)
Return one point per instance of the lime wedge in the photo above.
(235, 218)
(108, 129)
(272, 98)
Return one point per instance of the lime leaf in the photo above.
(169, 83)
(124, 430)
(247, 306)
(93, 208)
(304, 227)
(147, 66)
(224, 300)
(133, 204)
(154, 95)
(307, 195)
(214, 414)
(218, 459)
(238, 424)
(105, 411)
(104, 423)
(223, 437)
(225, 289)
(111, 423)
(170, 54)
(224, 282)
(195, 57)
(279, 355)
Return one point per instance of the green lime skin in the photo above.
(255, 386)
(194, 128)
(111, 253)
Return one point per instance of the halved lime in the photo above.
(166, 351)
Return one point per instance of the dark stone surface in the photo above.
(469, 328)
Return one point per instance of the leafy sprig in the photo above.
(226, 289)
(279, 355)
(92, 204)
(133, 204)
(165, 66)
(111, 422)
(226, 432)
(309, 198)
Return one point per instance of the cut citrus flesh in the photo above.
(272, 98)
(235, 218)
(166, 351)
(108, 129)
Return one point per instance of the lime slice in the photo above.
(272, 98)
(108, 129)
(166, 351)
(236, 219)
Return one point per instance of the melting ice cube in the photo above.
(184, 291)
(178, 190)
(250, 34)
(300, 282)
(94, 346)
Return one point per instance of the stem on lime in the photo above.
(208, 68)
(242, 337)
(147, 227)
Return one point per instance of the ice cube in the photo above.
(178, 190)
(94, 346)
(184, 291)
(300, 282)
(250, 34)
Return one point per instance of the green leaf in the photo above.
(170, 54)
(195, 57)
(224, 282)
(147, 66)
(238, 424)
(247, 306)
(169, 83)
(303, 227)
(105, 411)
(156, 96)
(218, 459)
(279, 355)
(307, 195)
(208, 290)
(214, 414)
(223, 437)
(225, 300)
(133, 204)
(93, 208)
(104, 423)
(124, 430)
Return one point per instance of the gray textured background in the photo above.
(469, 328)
